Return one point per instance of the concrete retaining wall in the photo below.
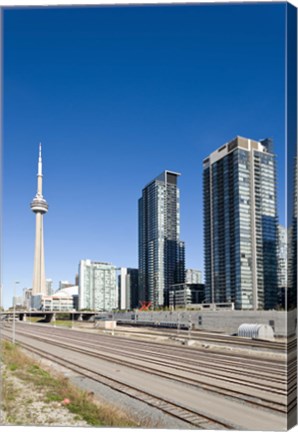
(226, 321)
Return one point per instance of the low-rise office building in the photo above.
(184, 294)
(61, 301)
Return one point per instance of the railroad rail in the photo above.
(177, 361)
(201, 335)
(236, 359)
(199, 420)
(257, 391)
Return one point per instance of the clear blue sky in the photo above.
(117, 95)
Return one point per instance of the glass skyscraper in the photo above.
(240, 224)
(291, 296)
(161, 253)
(128, 282)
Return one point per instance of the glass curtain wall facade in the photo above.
(128, 288)
(291, 297)
(240, 225)
(282, 265)
(97, 286)
(161, 253)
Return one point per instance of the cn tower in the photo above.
(39, 206)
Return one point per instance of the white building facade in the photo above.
(97, 286)
(193, 276)
(124, 292)
(49, 286)
(64, 284)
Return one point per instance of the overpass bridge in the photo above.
(48, 316)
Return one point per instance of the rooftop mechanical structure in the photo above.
(39, 206)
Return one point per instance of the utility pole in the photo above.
(178, 323)
(1, 286)
(72, 318)
(189, 325)
(14, 313)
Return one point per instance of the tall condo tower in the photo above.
(97, 286)
(39, 206)
(161, 253)
(240, 224)
(291, 296)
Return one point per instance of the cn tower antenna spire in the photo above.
(39, 162)
(39, 173)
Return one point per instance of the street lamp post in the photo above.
(113, 318)
(72, 318)
(14, 314)
(178, 323)
(189, 325)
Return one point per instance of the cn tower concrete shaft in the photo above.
(39, 206)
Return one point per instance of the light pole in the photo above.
(72, 318)
(112, 322)
(178, 323)
(29, 303)
(14, 313)
(1, 286)
(189, 325)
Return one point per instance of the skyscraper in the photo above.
(161, 253)
(128, 288)
(39, 206)
(240, 224)
(97, 286)
(49, 285)
(291, 297)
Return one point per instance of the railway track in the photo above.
(238, 357)
(193, 418)
(255, 394)
(193, 365)
(190, 354)
(204, 336)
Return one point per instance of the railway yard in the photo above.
(203, 380)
